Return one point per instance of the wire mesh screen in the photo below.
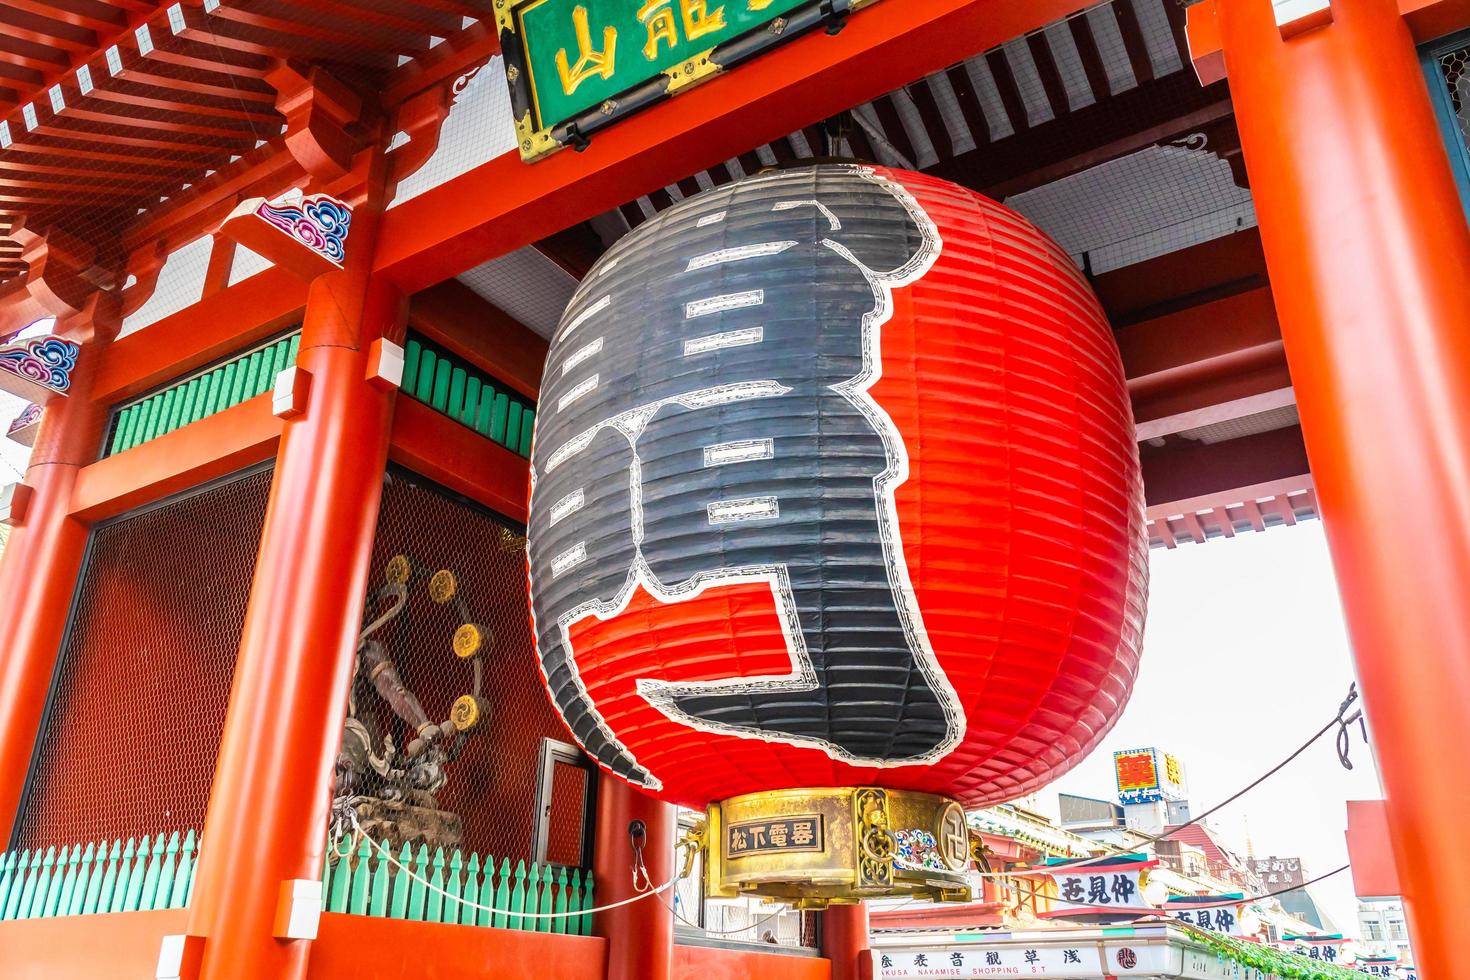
(1454, 67)
(130, 741)
(447, 714)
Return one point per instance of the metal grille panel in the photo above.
(132, 733)
(448, 592)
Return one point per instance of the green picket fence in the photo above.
(365, 882)
(207, 393)
(85, 879)
(457, 389)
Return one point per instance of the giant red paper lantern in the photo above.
(835, 484)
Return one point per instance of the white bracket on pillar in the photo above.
(179, 957)
(385, 364)
(1295, 17)
(298, 909)
(288, 397)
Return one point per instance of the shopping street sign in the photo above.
(577, 66)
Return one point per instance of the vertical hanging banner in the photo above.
(577, 66)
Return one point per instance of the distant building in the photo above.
(1383, 929)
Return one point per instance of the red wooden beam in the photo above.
(504, 204)
(1211, 270)
(1192, 471)
(458, 457)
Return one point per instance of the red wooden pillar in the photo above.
(38, 575)
(640, 936)
(1369, 257)
(267, 818)
(845, 940)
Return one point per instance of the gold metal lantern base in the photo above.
(816, 847)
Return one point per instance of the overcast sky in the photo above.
(1245, 656)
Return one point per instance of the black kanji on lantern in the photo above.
(705, 420)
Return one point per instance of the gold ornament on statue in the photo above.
(398, 570)
(467, 641)
(466, 713)
(443, 586)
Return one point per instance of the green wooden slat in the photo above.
(136, 876)
(434, 901)
(152, 420)
(443, 371)
(411, 352)
(423, 386)
(574, 902)
(497, 418)
(454, 408)
(43, 885)
(417, 891)
(560, 925)
(240, 380)
(587, 903)
(401, 884)
(77, 889)
(513, 427)
(357, 902)
(163, 891)
(483, 915)
(517, 897)
(22, 908)
(382, 874)
(126, 419)
(471, 890)
(226, 396)
(340, 869)
(7, 879)
(528, 424)
(179, 887)
(165, 410)
(251, 376)
(152, 872)
(454, 885)
(471, 401)
(283, 360)
(189, 412)
(173, 410)
(109, 878)
(501, 901)
(487, 407)
(548, 900)
(266, 379)
(293, 348)
(66, 880)
(94, 881)
(193, 876)
(211, 402)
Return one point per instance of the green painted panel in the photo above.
(179, 889)
(109, 878)
(417, 892)
(502, 894)
(253, 369)
(497, 418)
(382, 874)
(295, 348)
(136, 876)
(188, 406)
(517, 898)
(471, 402)
(560, 905)
(28, 891)
(587, 903)
(513, 427)
(43, 885)
(67, 882)
(471, 890)
(528, 425)
(487, 407)
(357, 901)
(8, 879)
(411, 352)
(434, 901)
(151, 873)
(423, 388)
(455, 408)
(440, 395)
(227, 375)
(211, 391)
(19, 884)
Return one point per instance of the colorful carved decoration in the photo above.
(25, 425)
(38, 368)
(320, 222)
(836, 511)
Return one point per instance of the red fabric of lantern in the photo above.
(835, 484)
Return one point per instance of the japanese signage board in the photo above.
(1327, 949)
(1098, 889)
(575, 66)
(1148, 775)
(1086, 959)
(799, 833)
(1380, 968)
(1224, 919)
(1278, 874)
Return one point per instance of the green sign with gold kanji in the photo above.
(575, 66)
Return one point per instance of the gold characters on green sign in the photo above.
(658, 17)
(590, 62)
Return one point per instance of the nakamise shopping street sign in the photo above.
(576, 66)
(1085, 959)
